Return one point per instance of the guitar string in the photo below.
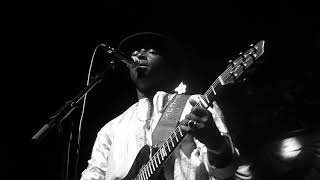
(154, 157)
(228, 70)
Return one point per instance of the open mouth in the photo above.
(143, 66)
(143, 63)
(142, 69)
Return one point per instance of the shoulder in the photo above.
(117, 121)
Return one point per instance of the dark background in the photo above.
(48, 48)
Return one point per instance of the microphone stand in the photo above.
(66, 109)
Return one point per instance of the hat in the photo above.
(161, 42)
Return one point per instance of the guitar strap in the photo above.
(169, 119)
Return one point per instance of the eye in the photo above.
(135, 53)
(153, 51)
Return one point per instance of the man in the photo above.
(204, 153)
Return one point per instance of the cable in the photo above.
(82, 114)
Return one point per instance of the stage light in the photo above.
(290, 148)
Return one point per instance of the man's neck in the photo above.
(142, 95)
(149, 96)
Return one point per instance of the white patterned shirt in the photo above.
(119, 141)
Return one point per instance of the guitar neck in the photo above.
(233, 71)
(162, 154)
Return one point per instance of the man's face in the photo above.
(151, 74)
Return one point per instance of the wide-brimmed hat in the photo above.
(164, 43)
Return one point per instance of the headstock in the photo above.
(242, 63)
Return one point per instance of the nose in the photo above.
(142, 54)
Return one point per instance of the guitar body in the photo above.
(142, 158)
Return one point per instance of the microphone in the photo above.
(132, 62)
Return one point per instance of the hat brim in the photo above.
(146, 40)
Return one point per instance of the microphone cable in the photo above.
(80, 123)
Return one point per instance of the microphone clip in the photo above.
(132, 62)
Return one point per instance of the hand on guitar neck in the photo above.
(200, 124)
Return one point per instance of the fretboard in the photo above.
(161, 155)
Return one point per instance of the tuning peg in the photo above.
(232, 63)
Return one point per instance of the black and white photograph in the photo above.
(161, 90)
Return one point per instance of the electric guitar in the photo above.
(150, 160)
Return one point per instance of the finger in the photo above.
(184, 122)
(192, 102)
(185, 128)
(189, 125)
(184, 125)
(201, 119)
(199, 111)
(192, 116)
(194, 126)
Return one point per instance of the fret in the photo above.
(178, 134)
(139, 176)
(175, 135)
(158, 158)
(168, 146)
(162, 154)
(221, 80)
(213, 90)
(148, 173)
(153, 168)
(164, 150)
(179, 128)
(155, 161)
(207, 99)
(207, 96)
(171, 141)
(143, 174)
(149, 167)
(204, 103)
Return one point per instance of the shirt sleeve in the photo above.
(217, 173)
(97, 164)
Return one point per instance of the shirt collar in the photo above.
(160, 100)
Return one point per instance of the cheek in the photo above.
(155, 60)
